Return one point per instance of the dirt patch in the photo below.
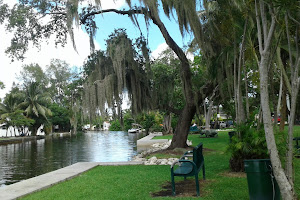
(185, 188)
(234, 174)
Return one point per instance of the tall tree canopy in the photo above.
(110, 75)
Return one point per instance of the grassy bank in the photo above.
(141, 182)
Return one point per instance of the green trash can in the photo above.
(261, 182)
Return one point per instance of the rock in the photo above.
(153, 160)
(164, 162)
(156, 145)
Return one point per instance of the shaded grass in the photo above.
(139, 182)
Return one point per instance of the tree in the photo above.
(167, 89)
(61, 15)
(33, 73)
(2, 86)
(266, 21)
(8, 109)
(60, 116)
(35, 106)
(59, 76)
(109, 74)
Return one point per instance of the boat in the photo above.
(135, 128)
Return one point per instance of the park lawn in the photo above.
(139, 182)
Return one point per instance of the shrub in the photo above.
(128, 120)
(248, 143)
(115, 126)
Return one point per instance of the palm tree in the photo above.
(8, 108)
(35, 106)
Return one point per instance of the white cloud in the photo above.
(162, 47)
(156, 53)
(43, 56)
(107, 4)
(10, 3)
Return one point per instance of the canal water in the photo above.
(32, 158)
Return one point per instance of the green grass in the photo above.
(139, 182)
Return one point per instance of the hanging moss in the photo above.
(109, 74)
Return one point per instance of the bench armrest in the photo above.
(180, 161)
(174, 163)
(186, 154)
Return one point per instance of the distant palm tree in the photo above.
(9, 106)
(35, 106)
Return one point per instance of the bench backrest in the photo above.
(198, 158)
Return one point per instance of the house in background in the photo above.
(106, 125)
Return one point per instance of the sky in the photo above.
(106, 24)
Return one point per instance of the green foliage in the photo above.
(33, 73)
(149, 121)
(248, 143)
(174, 121)
(2, 86)
(60, 116)
(115, 126)
(98, 121)
(157, 128)
(35, 105)
(167, 83)
(146, 120)
(127, 120)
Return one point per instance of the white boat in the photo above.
(136, 128)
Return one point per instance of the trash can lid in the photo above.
(258, 165)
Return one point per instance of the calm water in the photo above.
(33, 158)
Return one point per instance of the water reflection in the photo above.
(33, 158)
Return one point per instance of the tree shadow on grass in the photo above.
(185, 188)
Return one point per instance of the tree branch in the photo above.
(258, 28)
(121, 12)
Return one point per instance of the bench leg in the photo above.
(197, 185)
(173, 185)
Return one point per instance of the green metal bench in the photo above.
(189, 167)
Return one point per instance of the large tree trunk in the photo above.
(183, 126)
(265, 36)
(189, 110)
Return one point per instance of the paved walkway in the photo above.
(41, 182)
(148, 141)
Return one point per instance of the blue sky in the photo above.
(110, 21)
(106, 23)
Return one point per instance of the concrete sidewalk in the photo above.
(148, 141)
(41, 182)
